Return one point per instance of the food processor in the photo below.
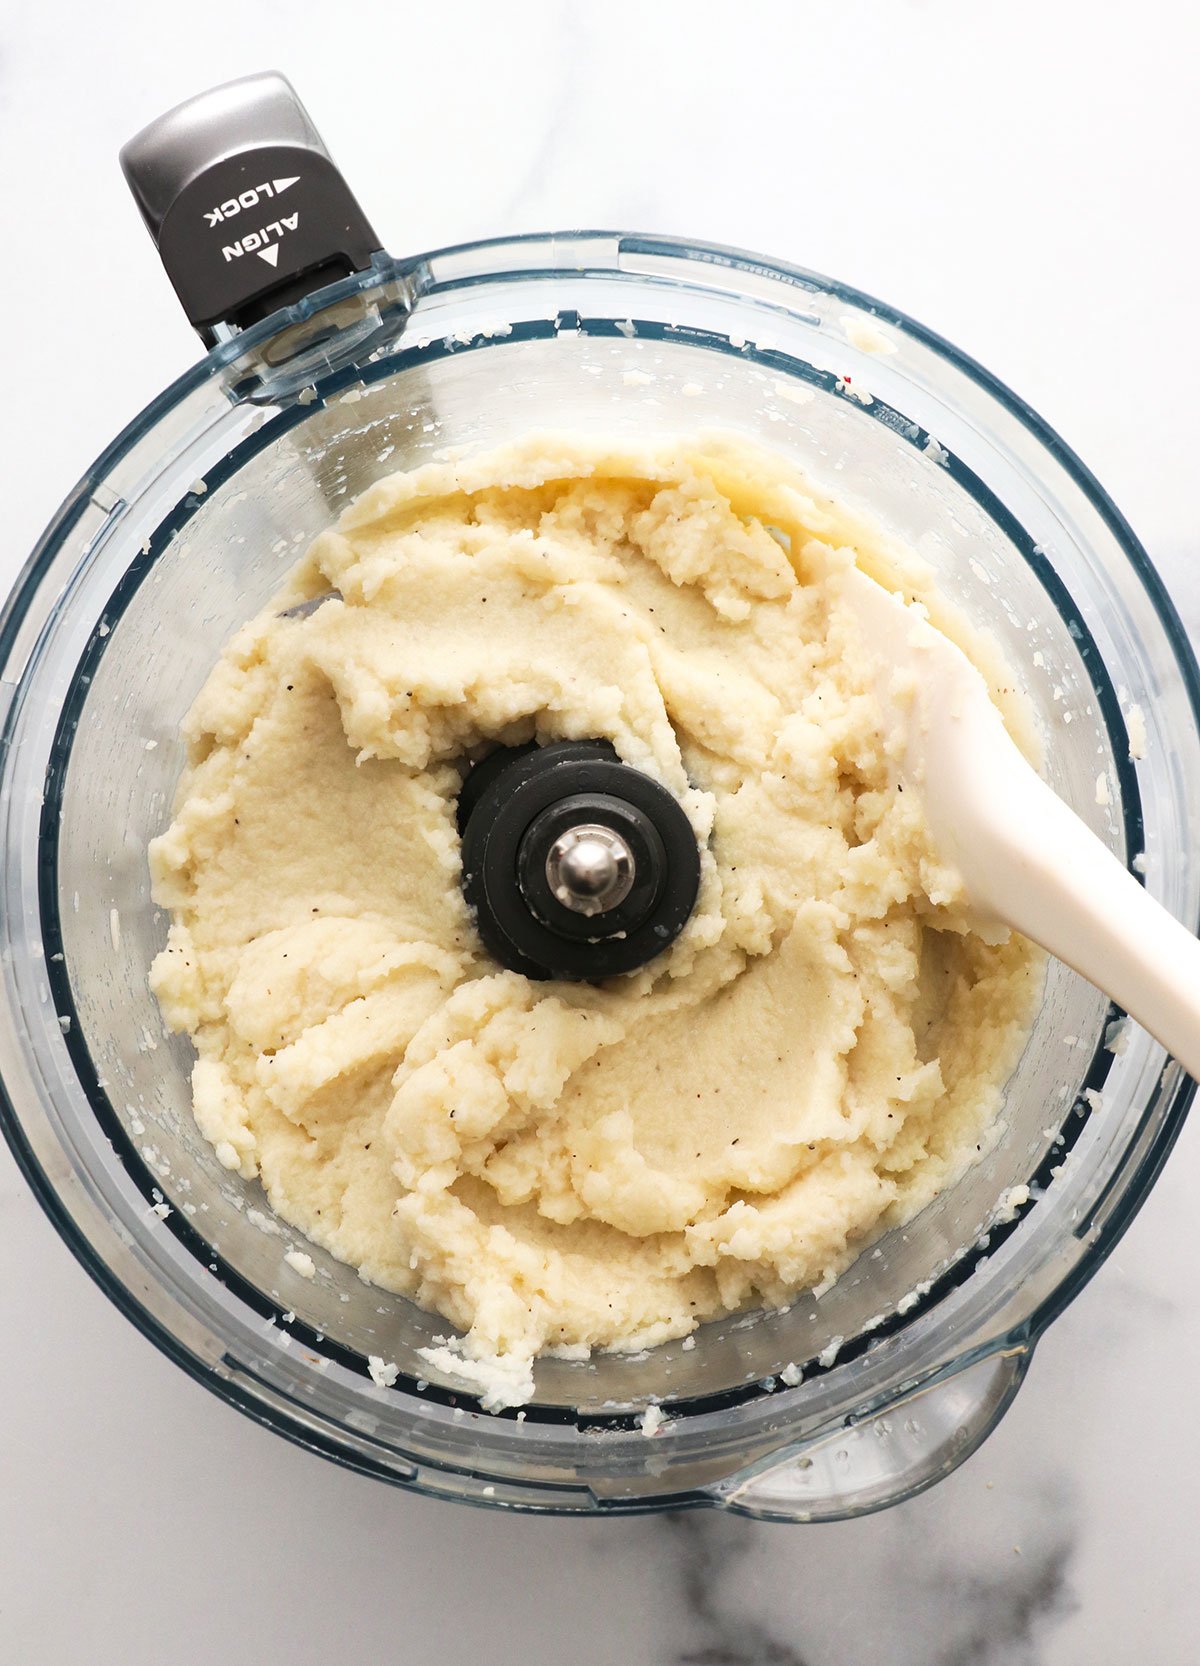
(331, 364)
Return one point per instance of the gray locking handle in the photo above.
(244, 203)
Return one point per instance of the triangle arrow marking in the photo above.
(279, 185)
(271, 255)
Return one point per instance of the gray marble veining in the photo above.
(904, 1588)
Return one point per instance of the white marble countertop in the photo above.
(1020, 177)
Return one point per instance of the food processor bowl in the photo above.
(846, 1400)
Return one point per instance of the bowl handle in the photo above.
(889, 1455)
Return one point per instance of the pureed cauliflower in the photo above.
(553, 1165)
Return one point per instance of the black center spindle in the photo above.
(575, 864)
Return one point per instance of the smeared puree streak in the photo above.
(560, 1166)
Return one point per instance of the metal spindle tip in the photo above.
(590, 869)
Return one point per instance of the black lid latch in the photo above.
(246, 207)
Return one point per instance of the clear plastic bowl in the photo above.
(184, 528)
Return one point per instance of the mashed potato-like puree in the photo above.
(556, 1165)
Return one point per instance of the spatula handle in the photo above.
(1046, 873)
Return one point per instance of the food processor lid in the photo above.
(244, 203)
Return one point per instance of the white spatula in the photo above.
(1026, 860)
